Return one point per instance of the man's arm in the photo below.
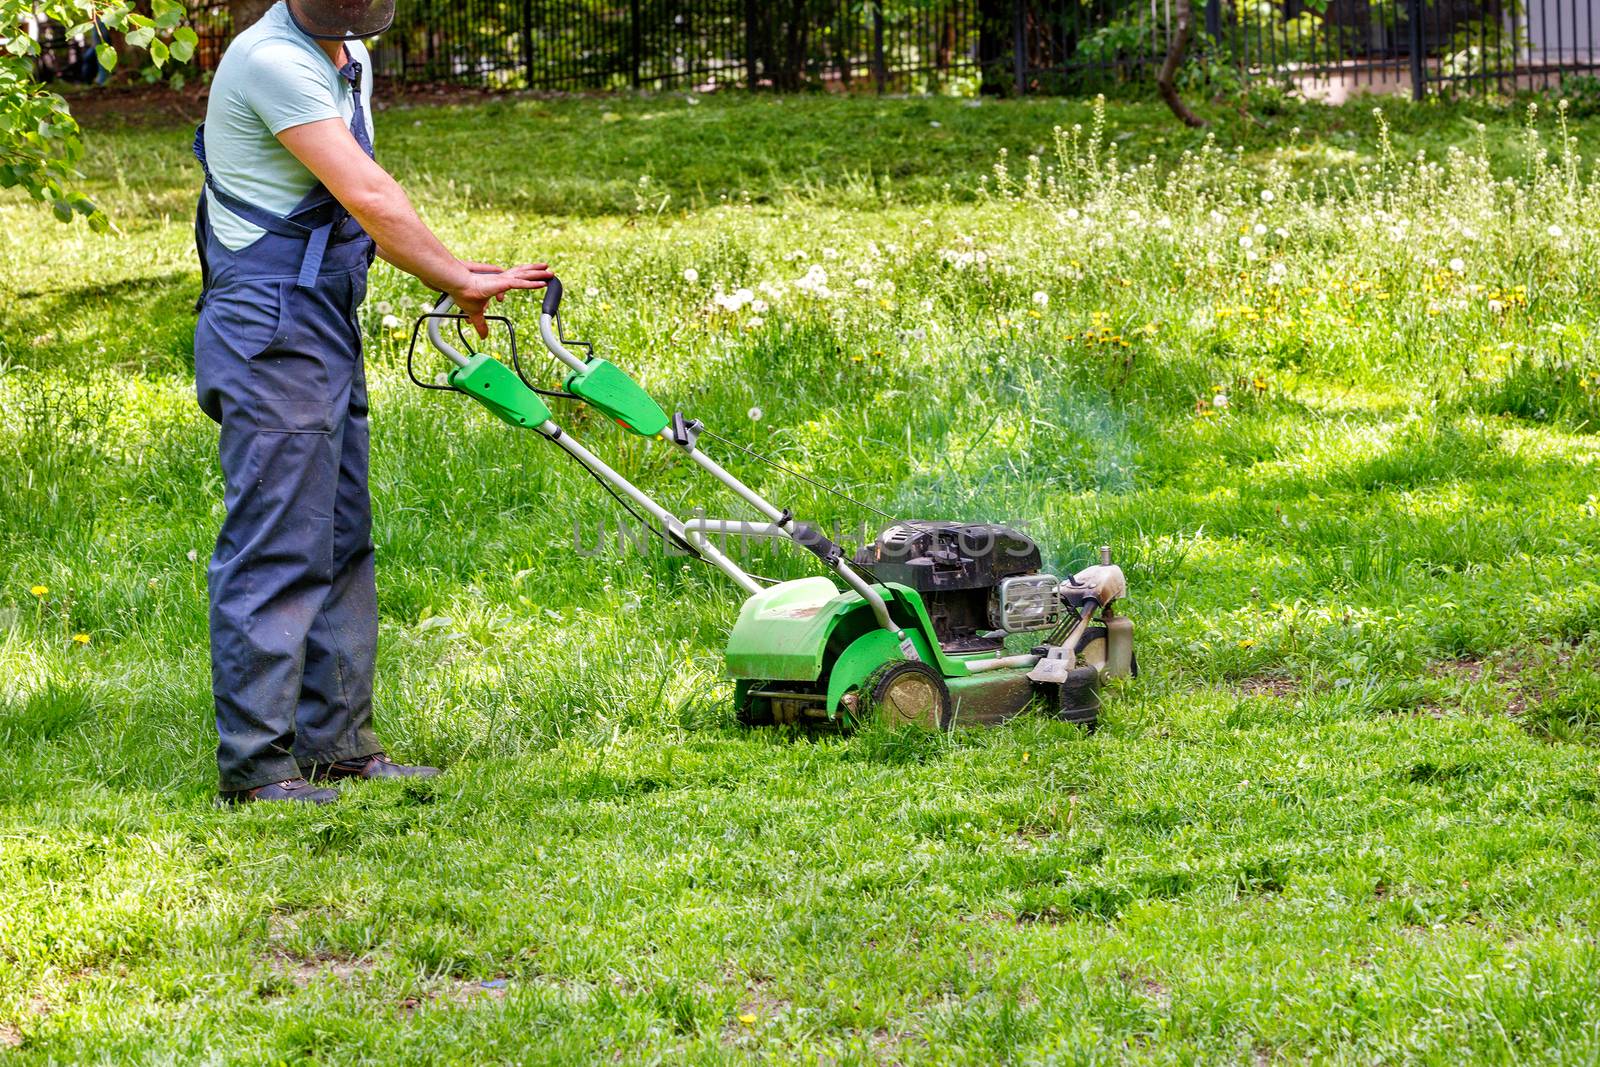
(367, 191)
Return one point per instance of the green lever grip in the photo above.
(492, 384)
(604, 385)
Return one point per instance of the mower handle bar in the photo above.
(548, 327)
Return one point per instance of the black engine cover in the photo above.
(954, 565)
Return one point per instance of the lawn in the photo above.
(1325, 382)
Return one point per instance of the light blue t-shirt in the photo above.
(271, 77)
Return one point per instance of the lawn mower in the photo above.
(917, 635)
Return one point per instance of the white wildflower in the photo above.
(391, 322)
(1554, 230)
(691, 275)
(1458, 265)
(755, 414)
(1267, 196)
(1041, 297)
(1220, 401)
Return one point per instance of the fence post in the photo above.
(880, 65)
(1419, 87)
(1019, 46)
(634, 48)
(527, 41)
(750, 44)
(1214, 19)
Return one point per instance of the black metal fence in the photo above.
(709, 44)
(1322, 47)
(1327, 48)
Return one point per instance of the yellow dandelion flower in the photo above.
(82, 639)
(748, 1018)
(1034, 314)
(39, 590)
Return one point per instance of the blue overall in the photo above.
(277, 353)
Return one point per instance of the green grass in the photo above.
(1347, 813)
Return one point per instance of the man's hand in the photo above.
(481, 286)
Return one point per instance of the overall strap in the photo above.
(313, 220)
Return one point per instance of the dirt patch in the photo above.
(1159, 996)
(1521, 676)
(10, 1036)
(1463, 668)
(1268, 685)
(304, 971)
(475, 990)
(158, 105)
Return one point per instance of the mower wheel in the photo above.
(908, 693)
(1078, 698)
(1093, 648)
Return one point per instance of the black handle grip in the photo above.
(552, 297)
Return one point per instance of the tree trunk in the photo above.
(244, 13)
(1166, 79)
(994, 45)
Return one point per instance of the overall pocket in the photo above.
(238, 321)
(295, 378)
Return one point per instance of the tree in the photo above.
(244, 13)
(40, 141)
(1167, 76)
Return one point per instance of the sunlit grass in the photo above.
(1332, 405)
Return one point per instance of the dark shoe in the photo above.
(296, 789)
(376, 766)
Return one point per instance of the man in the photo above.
(293, 212)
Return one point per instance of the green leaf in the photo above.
(107, 56)
(62, 209)
(141, 37)
(144, 22)
(182, 50)
(185, 35)
(158, 53)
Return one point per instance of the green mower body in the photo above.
(802, 651)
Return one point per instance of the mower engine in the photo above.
(979, 581)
